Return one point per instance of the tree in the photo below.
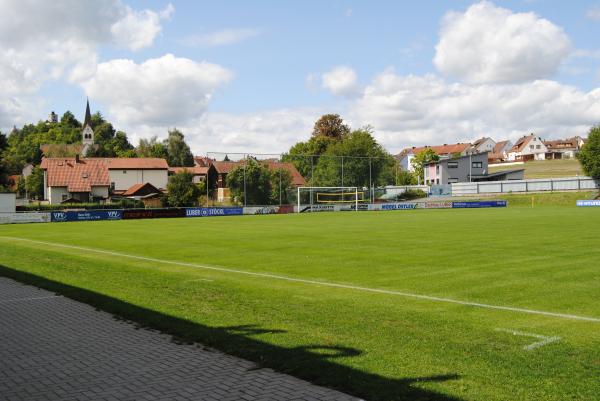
(422, 158)
(281, 181)
(331, 126)
(152, 148)
(35, 184)
(257, 188)
(589, 155)
(178, 152)
(182, 191)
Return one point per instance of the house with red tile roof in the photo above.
(529, 147)
(96, 179)
(500, 151)
(457, 149)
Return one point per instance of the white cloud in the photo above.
(221, 38)
(162, 91)
(341, 81)
(413, 110)
(52, 40)
(267, 132)
(489, 44)
(593, 13)
(138, 29)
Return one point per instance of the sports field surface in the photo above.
(482, 304)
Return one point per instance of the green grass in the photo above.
(543, 199)
(374, 345)
(546, 168)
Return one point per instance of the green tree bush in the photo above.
(589, 155)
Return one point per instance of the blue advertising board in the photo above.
(213, 211)
(588, 203)
(86, 215)
(478, 204)
(398, 206)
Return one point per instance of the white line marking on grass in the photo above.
(545, 339)
(2, 301)
(315, 282)
(199, 279)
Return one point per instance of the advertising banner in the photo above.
(398, 206)
(436, 205)
(86, 215)
(153, 213)
(478, 204)
(283, 209)
(213, 211)
(588, 203)
(33, 217)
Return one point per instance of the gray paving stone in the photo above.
(54, 348)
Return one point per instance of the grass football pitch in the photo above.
(482, 304)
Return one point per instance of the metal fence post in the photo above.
(245, 163)
(342, 172)
(370, 182)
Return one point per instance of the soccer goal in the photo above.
(319, 196)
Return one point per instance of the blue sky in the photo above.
(274, 58)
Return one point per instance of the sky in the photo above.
(254, 76)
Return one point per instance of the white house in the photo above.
(76, 179)
(483, 145)
(406, 155)
(527, 148)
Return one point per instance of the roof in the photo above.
(196, 170)
(76, 176)
(562, 143)
(480, 141)
(522, 143)
(499, 146)
(224, 167)
(297, 179)
(88, 116)
(444, 149)
(141, 163)
(473, 156)
(143, 189)
(497, 173)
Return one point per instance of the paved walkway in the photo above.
(54, 348)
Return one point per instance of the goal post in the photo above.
(330, 195)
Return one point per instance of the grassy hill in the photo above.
(546, 168)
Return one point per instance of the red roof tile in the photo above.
(196, 170)
(440, 149)
(142, 163)
(76, 176)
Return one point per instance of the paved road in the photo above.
(54, 348)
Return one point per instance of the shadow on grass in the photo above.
(315, 363)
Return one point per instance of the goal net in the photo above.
(317, 197)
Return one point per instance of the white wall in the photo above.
(100, 192)
(55, 194)
(486, 146)
(8, 202)
(125, 179)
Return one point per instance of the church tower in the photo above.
(88, 133)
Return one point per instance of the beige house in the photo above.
(75, 179)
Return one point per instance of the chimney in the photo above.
(77, 158)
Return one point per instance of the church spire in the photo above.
(88, 115)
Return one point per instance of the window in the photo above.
(437, 169)
(531, 147)
(538, 146)
(124, 171)
(452, 180)
(112, 186)
(452, 164)
(477, 164)
(64, 197)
